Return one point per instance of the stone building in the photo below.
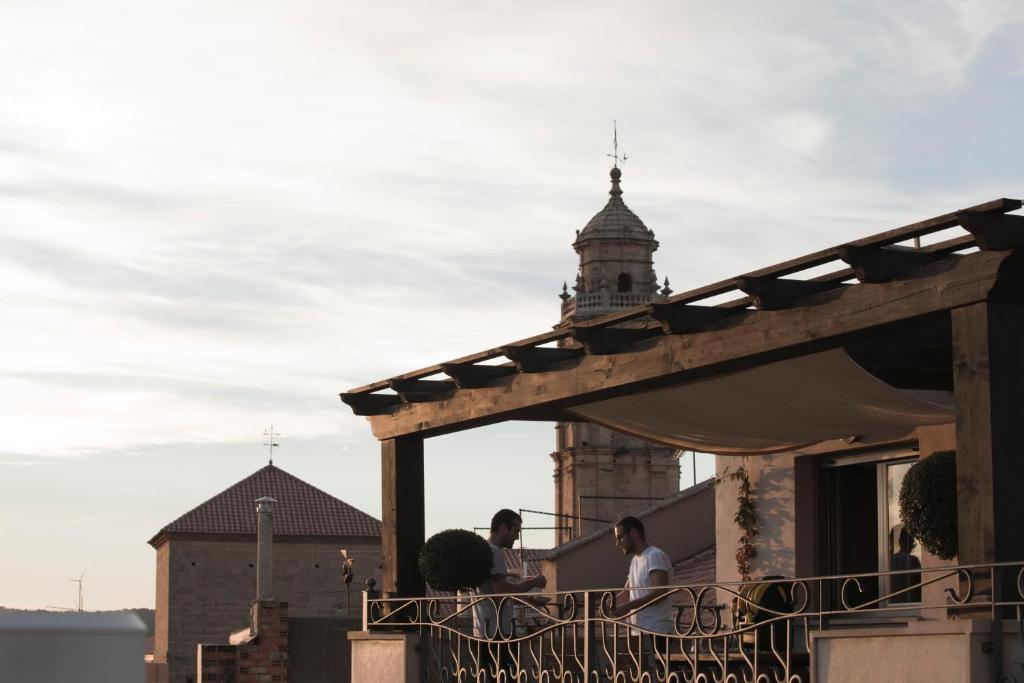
(206, 563)
(601, 474)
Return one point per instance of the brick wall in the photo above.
(264, 659)
(217, 663)
(211, 584)
(160, 633)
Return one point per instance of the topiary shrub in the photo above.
(455, 560)
(928, 503)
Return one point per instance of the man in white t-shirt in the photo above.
(505, 527)
(494, 657)
(648, 575)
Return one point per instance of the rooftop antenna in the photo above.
(615, 145)
(272, 444)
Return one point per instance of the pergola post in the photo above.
(988, 371)
(401, 465)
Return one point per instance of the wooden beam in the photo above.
(881, 264)
(750, 337)
(539, 359)
(994, 232)
(371, 404)
(473, 376)
(419, 390)
(603, 340)
(402, 531)
(772, 294)
(683, 318)
(988, 371)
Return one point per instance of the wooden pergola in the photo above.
(948, 315)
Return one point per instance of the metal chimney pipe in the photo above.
(265, 548)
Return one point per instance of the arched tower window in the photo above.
(625, 282)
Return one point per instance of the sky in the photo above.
(217, 216)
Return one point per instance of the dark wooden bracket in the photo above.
(538, 358)
(600, 341)
(881, 264)
(421, 390)
(371, 404)
(472, 376)
(683, 318)
(771, 294)
(994, 232)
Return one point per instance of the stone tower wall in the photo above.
(608, 259)
(604, 475)
(600, 474)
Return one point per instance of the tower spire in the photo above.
(616, 173)
(615, 145)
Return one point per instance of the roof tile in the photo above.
(302, 510)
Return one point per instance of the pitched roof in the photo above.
(301, 510)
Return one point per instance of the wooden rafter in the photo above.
(419, 390)
(771, 294)
(604, 340)
(539, 359)
(370, 404)
(994, 232)
(881, 264)
(680, 318)
(475, 376)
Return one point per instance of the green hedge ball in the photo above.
(455, 560)
(928, 503)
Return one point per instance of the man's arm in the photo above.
(501, 584)
(659, 577)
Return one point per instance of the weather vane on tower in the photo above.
(615, 143)
(272, 444)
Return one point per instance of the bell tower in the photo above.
(601, 474)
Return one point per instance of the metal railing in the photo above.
(756, 632)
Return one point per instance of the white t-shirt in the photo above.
(485, 615)
(656, 617)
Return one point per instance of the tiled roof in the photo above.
(514, 557)
(301, 510)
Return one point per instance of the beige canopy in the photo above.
(772, 408)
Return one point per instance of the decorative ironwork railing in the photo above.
(757, 632)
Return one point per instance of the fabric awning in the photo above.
(772, 408)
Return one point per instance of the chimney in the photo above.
(265, 548)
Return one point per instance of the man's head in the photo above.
(505, 526)
(629, 535)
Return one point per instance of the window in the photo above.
(625, 282)
(861, 527)
(902, 551)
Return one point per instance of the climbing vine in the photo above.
(745, 518)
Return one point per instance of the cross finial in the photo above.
(615, 145)
(271, 444)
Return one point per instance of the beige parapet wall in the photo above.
(385, 656)
(937, 651)
(682, 525)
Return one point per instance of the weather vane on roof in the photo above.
(272, 444)
(615, 143)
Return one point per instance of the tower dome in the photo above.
(615, 220)
(616, 268)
